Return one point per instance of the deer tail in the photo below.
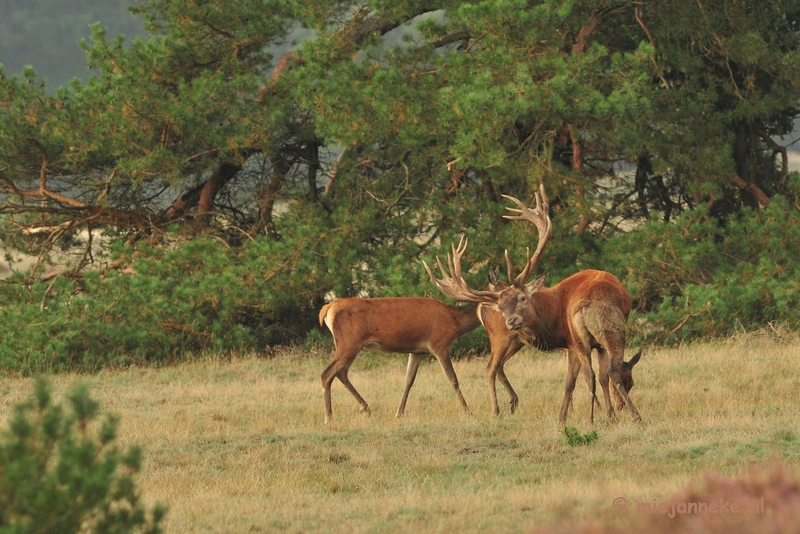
(322, 313)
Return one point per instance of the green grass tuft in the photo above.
(574, 436)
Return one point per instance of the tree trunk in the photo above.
(203, 195)
(224, 174)
(280, 168)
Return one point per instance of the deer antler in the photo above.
(453, 285)
(538, 216)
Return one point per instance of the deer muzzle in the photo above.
(514, 322)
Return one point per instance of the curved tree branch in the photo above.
(762, 199)
(653, 44)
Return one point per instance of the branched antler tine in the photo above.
(441, 268)
(462, 246)
(519, 280)
(528, 269)
(540, 218)
(452, 283)
(544, 197)
(455, 263)
(510, 268)
(445, 285)
(429, 271)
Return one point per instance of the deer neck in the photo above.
(542, 325)
(466, 316)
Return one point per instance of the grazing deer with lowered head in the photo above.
(585, 311)
(417, 325)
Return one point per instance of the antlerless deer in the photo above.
(416, 325)
(585, 311)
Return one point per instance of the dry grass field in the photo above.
(240, 446)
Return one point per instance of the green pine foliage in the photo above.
(194, 297)
(694, 278)
(701, 278)
(264, 157)
(62, 472)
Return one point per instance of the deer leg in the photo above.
(614, 342)
(581, 346)
(588, 375)
(514, 347)
(447, 366)
(344, 379)
(411, 375)
(615, 372)
(341, 362)
(513, 400)
(491, 377)
(573, 368)
(327, 379)
(607, 325)
(618, 347)
(326, 388)
(494, 368)
(602, 362)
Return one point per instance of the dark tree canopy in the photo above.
(624, 106)
(397, 125)
(249, 158)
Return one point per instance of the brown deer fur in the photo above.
(505, 343)
(585, 311)
(416, 325)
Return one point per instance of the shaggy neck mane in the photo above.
(544, 333)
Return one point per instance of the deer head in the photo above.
(627, 371)
(512, 300)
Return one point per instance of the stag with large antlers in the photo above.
(416, 325)
(586, 311)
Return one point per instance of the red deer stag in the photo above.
(586, 311)
(506, 343)
(416, 325)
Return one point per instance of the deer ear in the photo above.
(536, 285)
(633, 361)
(494, 277)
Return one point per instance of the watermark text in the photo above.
(673, 508)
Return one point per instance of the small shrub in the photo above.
(60, 473)
(574, 436)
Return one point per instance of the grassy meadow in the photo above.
(240, 445)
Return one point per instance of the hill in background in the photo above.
(45, 34)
